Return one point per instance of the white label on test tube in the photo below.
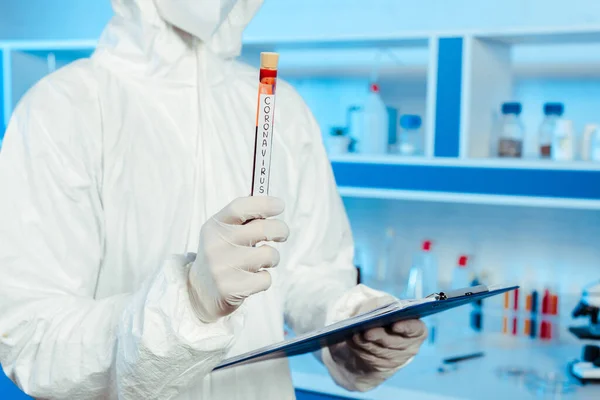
(263, 145)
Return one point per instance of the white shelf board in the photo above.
(390, 61)
(548, 35)
(447, 197)
(467, 163)
(557, 34)
(561, 34)
(405, 39)
(48, 45)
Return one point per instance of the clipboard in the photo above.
(380, 317)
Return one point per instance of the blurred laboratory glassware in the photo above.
(461, 317)
(461, 276)
(355, 122)
(529, 304)
(423, 280)
(392, 130)
(410, 138)
(338, 142)
(586, 141)
(552, 112)
(384, 273)
(511, 132)
(590, 143)
(595, 153)
(375, 137)
(477, 311)
(423, 275)
(550, 384)
(563, 148)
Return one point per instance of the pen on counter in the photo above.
(450, 364)
(465, 357)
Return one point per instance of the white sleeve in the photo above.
(56, 340)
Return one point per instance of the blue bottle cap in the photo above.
(511, 108)
(554, 109)
(409, 121)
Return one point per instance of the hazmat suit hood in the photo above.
(153, 37)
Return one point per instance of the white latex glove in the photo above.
(228, 265)
(368, 359)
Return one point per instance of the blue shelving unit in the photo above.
(545, 184)
(305, 395)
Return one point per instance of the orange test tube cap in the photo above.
(269, 60)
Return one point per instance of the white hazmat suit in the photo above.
(110, 167)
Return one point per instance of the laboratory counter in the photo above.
(500, 374)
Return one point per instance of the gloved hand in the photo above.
(228, 265)
(370, 358)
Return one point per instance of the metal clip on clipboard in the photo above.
(460, 292)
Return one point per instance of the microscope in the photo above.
(588, 369)
(589, 306)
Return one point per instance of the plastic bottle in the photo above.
(410, 140)
(461, 276)
(590, 145)
(375, 138)
(563, 148)
(510, 142)
(477, 312)
(461, 317)
(552, 112)
(423, 281)
(423, 274)
(384, 279)
(595, 146)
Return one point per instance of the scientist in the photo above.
(116, 168)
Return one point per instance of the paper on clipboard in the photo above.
(381, 316)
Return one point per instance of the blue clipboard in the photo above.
(380, 317)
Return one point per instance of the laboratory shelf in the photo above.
(397, 58)
(49, 45)
(556, 53)
(497, 182)
(407, 39)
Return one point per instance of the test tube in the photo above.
(554, 319)
(515, 319)
(265, 112)
(505, 314)
(545, 325)
(528, 309)
(534, 310)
